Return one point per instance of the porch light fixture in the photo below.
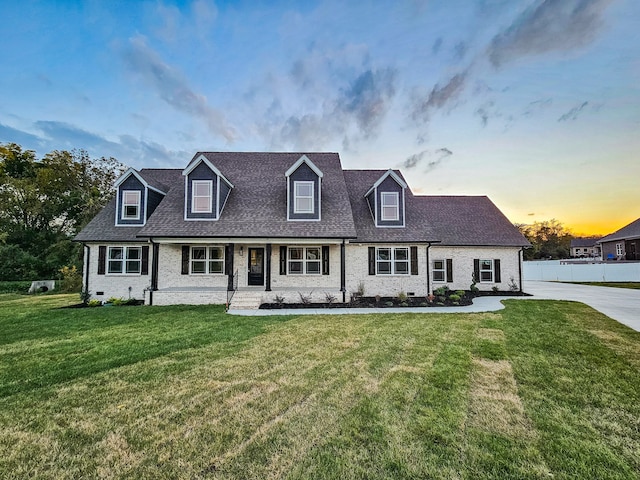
(241, 250)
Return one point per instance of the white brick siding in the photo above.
(175, 288)
(170, 271)
(116, 285)
(463, 265)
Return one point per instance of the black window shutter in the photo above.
(476, 270)
(185, 260)
(414, 260)
(102, 259)
(145, 261)
(325, 259)
(372, 260)
(496, 271)
(449, 270)
(283, 260)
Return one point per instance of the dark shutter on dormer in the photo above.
(283, 260)
(102, 259)
(185, 260)
(496, 271)
(414, 260)
(476, 270)
(449, 270)
(325, 259)
(372, 260)
(144, 270)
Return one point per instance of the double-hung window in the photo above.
(392, 261)
(390, 206)
(486, 271)
(439, 271)
(618, 249)
(131, 204)
(304, 260)
(201, 192)
(123, 260)
(207, 260)
(303, 197)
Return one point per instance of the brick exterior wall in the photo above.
(175, 288)
(115, 285)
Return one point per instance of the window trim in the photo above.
(124, 260)
(619, 249)
(490, 270)
(384, 204)
(209, 184)
(304, 260)
(435, 270)
(207, 260)
(393, 261)
(296, 196)
(138, 205)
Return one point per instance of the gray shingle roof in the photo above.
(627, 232)
(583, 242)
(257, 208)
(450, 220)
(102, 228)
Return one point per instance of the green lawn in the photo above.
(542, 389)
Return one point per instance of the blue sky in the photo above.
(534, 103)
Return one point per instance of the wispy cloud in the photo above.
(549, 25)
(369, 97)
(430, 159)
(172, 87)
(438, 98)
(573, 113)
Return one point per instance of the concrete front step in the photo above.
(246, 300)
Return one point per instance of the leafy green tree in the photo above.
(43, 203)
(549, 238)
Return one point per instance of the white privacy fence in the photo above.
(553, 270)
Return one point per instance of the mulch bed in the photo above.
(393, 302)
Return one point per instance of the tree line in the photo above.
(44, 203)
(550, 239)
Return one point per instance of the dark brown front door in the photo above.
(256, 266)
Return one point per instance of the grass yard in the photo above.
(542, 389)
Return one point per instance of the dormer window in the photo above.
(201, 196)
(386, 201)
(304, 191)
(131, 205)
(206, 190)
(390, 206)
(303, 197)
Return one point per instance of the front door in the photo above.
(256, 266)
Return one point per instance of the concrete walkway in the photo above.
(621, 304)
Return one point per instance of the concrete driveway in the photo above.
(621, 304)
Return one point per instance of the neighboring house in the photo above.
(290, 222)
(585, 247)
(623, 244)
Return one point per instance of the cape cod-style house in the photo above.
(282, 223)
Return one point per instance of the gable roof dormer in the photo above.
(206, 190)
(386, 200)
(136, 199)
(304, 191)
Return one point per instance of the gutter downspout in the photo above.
(154, 269)
(520, 257)
(343, 272)
(86, 266)
(428, 276)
